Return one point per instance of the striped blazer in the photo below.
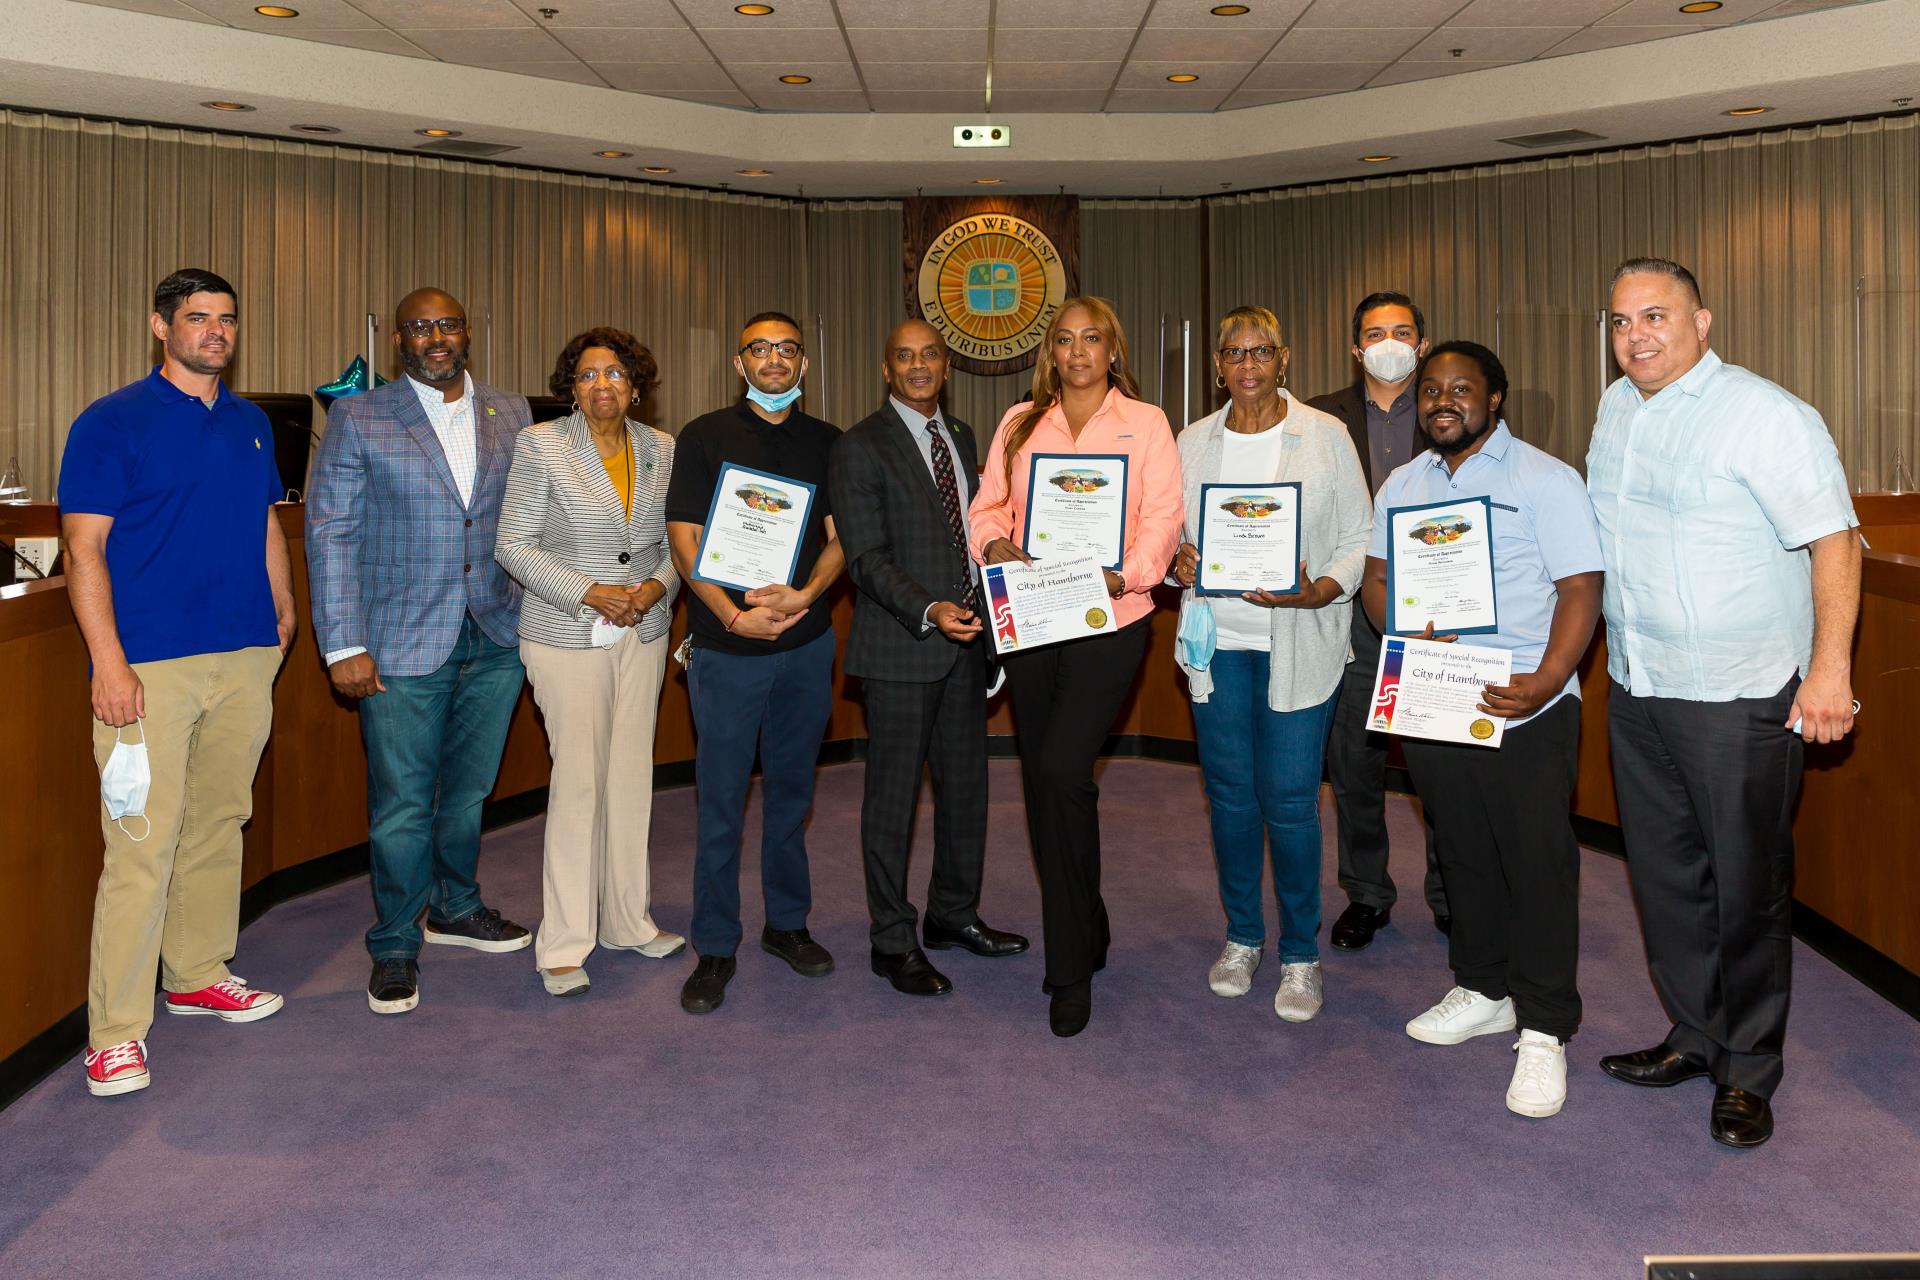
(561, 529)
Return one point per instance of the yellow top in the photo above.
(620, 471)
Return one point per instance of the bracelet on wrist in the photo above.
(736, 618)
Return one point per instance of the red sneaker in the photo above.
(120, 1069)
(229, 1000)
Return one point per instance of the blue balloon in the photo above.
(353, 380)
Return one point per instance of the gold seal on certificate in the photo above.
(1426, 689)
(753, 531)
(1440, 568)
(1076, 505)
(1030, 605)
(1249, 539)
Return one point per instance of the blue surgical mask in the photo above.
(773, 403)
(1196, 636)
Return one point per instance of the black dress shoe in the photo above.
(976, 938)
(911, 973)
(393, 986)
(1740, 1119)
(706, 987)
(1657, 1068)
(1071, 1008)
(1355, 928)
(797, 948)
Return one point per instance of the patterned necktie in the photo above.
(950, 499)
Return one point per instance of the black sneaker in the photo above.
(482, 930)
(706, 987)
(394, 986)
(797, 948)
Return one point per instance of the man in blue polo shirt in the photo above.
(179, 578)
(1500, 817)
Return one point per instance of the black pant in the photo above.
(1357, 768)
(1065, 700)
(943, 726)
(1511, 864)
(1706, 805)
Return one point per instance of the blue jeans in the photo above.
(1262, 774)
(780, 702)
(433, 754)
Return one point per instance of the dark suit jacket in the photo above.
(899, 552)
(1349, 404)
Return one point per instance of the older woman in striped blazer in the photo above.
(582, 529)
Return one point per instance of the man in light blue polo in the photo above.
(1500, 817)
(1733, 584)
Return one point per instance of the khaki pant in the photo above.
(600, 706)
(173, 899)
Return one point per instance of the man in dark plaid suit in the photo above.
(900, 482)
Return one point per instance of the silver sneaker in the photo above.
(1301, 994)
(1232, 973)
(664, 944)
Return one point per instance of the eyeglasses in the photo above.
(1262, 354)
(762, 349)
(452, 326)
(586, 377)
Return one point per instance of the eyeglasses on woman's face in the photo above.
(1262, 354)
(615, 376)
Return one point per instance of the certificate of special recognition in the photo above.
(1440, 568)
(1077, 505)
(1046, 602)
(1249, 539)
(1426, 689)
(753, 530)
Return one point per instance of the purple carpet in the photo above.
(829, 1127)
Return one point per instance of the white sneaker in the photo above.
(1300, 995)
(664, 944)
(1462, 1015)
(1232, 973)
(1539, 1085)
(564, 984)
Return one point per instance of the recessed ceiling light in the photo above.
(314, 128)
(1228, 10)
(613, 155)
(753, 10)
(656, 168)
(227, 106)
(1700, 6)
(754, 173)
(438, 133)
(987, 182)
(796, 79)
(275, 11)
(1378, 159)
(1748, 111)
(1182, 77)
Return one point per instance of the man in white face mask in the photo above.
(1389, 338)
(178, 574)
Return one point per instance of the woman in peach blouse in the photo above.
(1067, 696)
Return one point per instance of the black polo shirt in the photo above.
(796, 449)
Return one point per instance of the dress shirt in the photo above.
(453, 427)
(1154, 508)
(1389, 432)
(1543, 530)
(915, 423)
(1707, 495)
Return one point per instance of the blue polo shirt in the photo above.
(188, 490)
(1543, 530)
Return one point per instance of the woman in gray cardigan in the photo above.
(1264, 668)
(582, 529)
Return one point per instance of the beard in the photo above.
(206, 362)
(415, 364)
(1468, 437)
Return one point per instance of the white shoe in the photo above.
(1232, 973)
(564, 984)
(1539, 1085)
(1300, 995)
(1462, 1015)
(664, 944)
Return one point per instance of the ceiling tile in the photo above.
(605, 13)
(1487, 44)
(827, 77)
(713, 97)
(912, 13)
(948, 103)
(1216, 78)
(457, 15)
(1262, 98)
(1049, 100)
(800, 100)
(1095, 44)
(630, 44)
(1273, 14)
(1246, 44)
(335, 15)
(1666, 13)
(798, 44)
(1588, 39)
(1406, 72)
(665, 77)
(377, 40)
(918, 44)
(1312, 77)
(487, 45)
(1069, 13)
(1347, 44)
(1378, 13)
(1534, 13)
(158, 8)
(925, 76)
(1054, 76)
(706, 14)
(1787, 8)
(578, 72)
(1130, 100)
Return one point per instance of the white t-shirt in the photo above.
(1246, 459)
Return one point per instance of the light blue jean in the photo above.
(1262, 773)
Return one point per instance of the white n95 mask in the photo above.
(124, 782)
(1389, 359)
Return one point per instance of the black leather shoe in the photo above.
(1071, 1009)
(1657, 1068)
(1444, 924)
(976, 938)
(911, 973)
(706, 987)
(797, 948)
(393, 986)
(1355, 928)
(1740, 1119)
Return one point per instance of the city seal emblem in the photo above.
(1481, 729)
(991, 283)
(1096, 618)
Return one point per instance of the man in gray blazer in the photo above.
(419, 623)
(901, 480)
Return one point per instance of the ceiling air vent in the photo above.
(1553, 138)
(467, 150)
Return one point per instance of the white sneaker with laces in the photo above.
(1301, 994)
(1461, 1015)
(1232, 973)
(664, 944)
(1539, 1087)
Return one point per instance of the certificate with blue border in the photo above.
(1440, 568)
(1248, 537)
(755, 525)
(1076, 506)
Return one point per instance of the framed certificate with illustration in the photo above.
(1076, 505)
(1440, 568)
(1249, 539)
(754, 528)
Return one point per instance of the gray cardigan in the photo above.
(1310, 647)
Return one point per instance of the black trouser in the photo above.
(1706, 805)
(942, 725)
(1357, 768)
(1511, 864)
(1065, 700)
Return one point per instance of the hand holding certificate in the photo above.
(1030, 605)
(1425, 689)
(1440, 568)
(1249, 539)
(754, 529)
(1076, 505)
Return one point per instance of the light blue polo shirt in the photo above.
(1543, 530)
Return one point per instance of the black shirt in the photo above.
(796, 449)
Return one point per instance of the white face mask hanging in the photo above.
(124, 782)
(1390, 359)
